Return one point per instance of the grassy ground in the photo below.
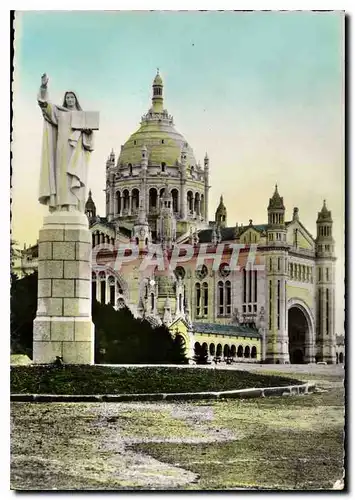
(284, 443)
(279, 442)
(115, 380)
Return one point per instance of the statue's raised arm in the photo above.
(43, 91)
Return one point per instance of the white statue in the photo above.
(67, 144)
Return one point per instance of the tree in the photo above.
(119, 337)
(23, 306)
(200, 355)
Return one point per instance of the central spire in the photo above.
(157, 99)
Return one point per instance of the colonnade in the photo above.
(227, 351)
(126, 203)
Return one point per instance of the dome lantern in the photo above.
(157, 99)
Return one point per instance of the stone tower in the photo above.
(325, 288)
(276, 263)
(141, 234)
(221, 214)
(166, 224)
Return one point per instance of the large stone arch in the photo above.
(309, 339)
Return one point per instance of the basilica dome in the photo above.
(157, 132)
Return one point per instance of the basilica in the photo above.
(277, 308)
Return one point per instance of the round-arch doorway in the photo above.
(297, 335)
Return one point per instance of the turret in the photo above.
(143, 187)
(221, 214)
(325, 288)
(276, 260)
(183, 161)
(90, 207)
(166, 223)
(144, 157)
(206, 163)
(183, 165)
(276, 232)
(111, 160)
(324, 240)
(141, 234)
(110, 174)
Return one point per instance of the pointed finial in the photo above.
(90, 193)
(221, 199)
(276, 188)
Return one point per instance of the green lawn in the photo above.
(117, 380)
(284, 443)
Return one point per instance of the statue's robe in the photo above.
(65, 157)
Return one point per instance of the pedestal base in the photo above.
(63, 325)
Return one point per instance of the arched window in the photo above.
(130, 168)
(212, 349)
(219, 350)
(205, 299)
(102, 278)
(247, 352)
(226, 351)
(233, 351)
(153, 198)
(198, 298)
(163, 165)
(175, 197)
(180, 302)
(152, 301)
(228, 297)
(220, 297)
(341, 358)
(253, 352)
(240, 351)
(111, 283)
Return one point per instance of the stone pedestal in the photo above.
(63, 325)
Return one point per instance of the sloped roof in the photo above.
(219, 329)
(258, 227)
(227, 233)
(101, 220)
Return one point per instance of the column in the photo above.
(183, 200)
(130, 204)
(63, 326)
(107, 297)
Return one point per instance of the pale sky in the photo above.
(261, 92)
